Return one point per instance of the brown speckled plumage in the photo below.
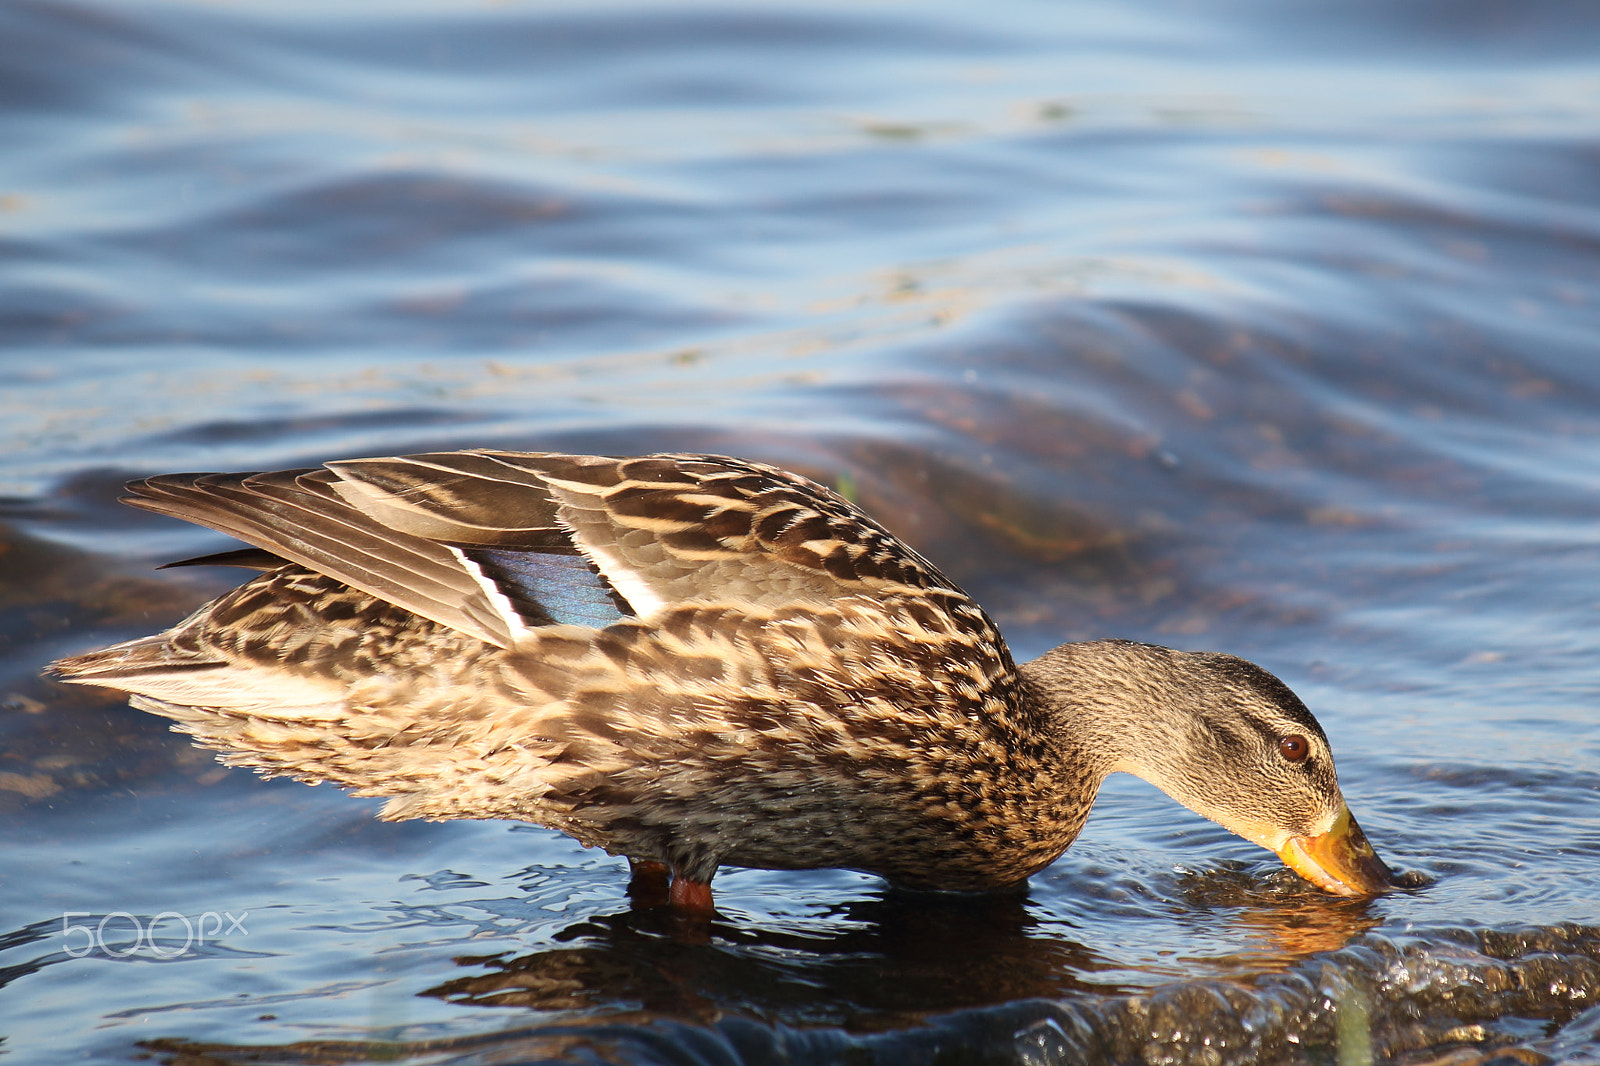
(691, 660)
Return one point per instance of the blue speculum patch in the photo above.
(547, 587)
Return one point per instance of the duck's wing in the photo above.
(494, 543)
(663, 529)
(297, 515)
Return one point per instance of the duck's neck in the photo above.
(1110, 704)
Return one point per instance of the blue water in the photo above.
(1266, 328)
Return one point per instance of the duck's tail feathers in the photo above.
(183, 685)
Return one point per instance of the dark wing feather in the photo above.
(248, 558)
(295, 514)
(457, 498)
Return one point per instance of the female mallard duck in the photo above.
(693, 661)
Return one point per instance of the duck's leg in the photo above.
(691, 897)
(648, 883)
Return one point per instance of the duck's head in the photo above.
(1220, 735)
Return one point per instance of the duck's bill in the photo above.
(1339, 861)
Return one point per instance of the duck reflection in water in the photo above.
(1282, 921)
(885, 961)
(891, 963)
(693, 661)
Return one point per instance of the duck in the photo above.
(692, 661)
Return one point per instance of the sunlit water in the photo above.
(1254, 327)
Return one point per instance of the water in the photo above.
(1255, 327)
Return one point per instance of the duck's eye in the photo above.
(1294, 747)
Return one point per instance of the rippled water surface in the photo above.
(1267, 328)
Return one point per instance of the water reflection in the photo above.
(886, 962)
(1285, 919)
(914, 978)
(953, 969)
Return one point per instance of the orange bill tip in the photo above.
(1339, 861)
